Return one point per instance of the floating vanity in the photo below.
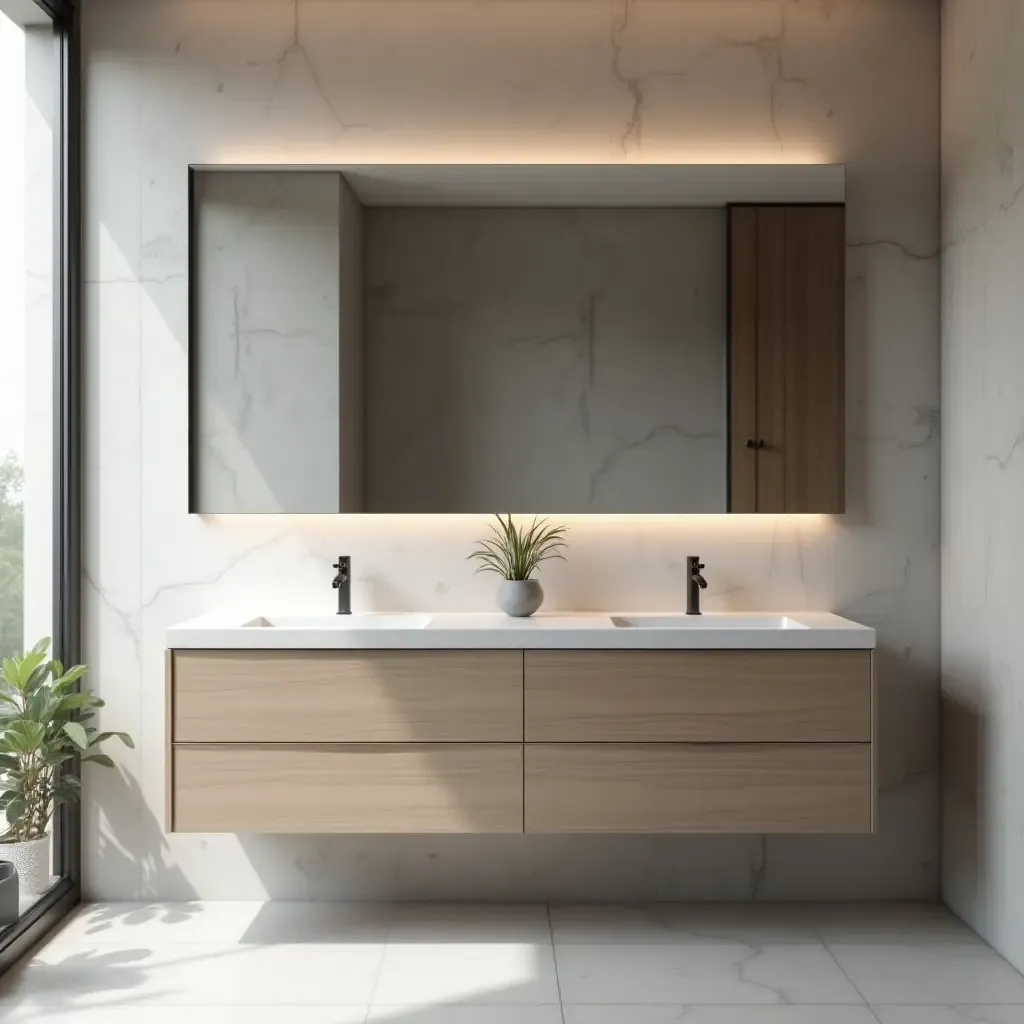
(753, 723)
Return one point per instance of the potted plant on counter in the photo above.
(515, 553)
(44, 724)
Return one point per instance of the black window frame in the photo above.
(65, 894)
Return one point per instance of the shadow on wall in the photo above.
(902, 689)
(129, 842)
(965, 811)
(508, 868)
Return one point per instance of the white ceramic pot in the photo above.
(519, 598)
(32, 861)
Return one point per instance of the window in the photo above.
(38, 458)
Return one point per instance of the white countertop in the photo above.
(553, 630)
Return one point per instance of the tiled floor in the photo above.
(290, 963)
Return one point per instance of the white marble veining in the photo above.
(455, 631)
(266, 384)
(527, 963)
(169, 82)
(559, 359)
(983, 467)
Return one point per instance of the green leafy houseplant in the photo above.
(44, 724)
(515, 552)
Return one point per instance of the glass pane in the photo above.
(29, 95)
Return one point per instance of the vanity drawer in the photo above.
(347, 696)
(698, 696)
(723, 788)
(319, 789)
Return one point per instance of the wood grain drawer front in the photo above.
(698, 696)
(354, 788)
(348, 696)
(731, 788)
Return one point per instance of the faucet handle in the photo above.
(344, 566)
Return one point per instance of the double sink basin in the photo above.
(416, 630)
(417, 620)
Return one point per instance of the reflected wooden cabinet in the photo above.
(787, 361)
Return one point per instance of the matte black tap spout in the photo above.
(342, 583)
(695, 583)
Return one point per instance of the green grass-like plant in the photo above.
(515, 552)
(44, 724)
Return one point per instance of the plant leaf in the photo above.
(104, 759)
(516, 551)
(22, 736)
(76, 733)
(12, 673)
(104, 736)
(15, 810)
(69, 678)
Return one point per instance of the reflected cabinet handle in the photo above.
(755, 444)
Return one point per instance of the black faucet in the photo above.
(695, 584)
(341, 584)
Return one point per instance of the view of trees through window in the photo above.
(29, 130)
(12, 560)
(28, 96)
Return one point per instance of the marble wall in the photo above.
(983, 468)
(169, 82)
(566, 360)
(266, 381)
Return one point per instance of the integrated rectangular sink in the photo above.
(384, 620)
(709, 620)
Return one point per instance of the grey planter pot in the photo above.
(519, 598)
(8, 894)
(32, 859)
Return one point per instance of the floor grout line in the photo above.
(554, 957)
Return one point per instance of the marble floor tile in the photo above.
(479, 973)
(151, 924)
(471, 922)
(31, 1012)
(949, 1014)
(718, 1015)
(182, 975)
(345, 963)
(711, 973)
(161, 924)
(467, 1015)
(910, 924)
(668, 923)
(940, 974)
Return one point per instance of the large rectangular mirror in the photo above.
(472, 339)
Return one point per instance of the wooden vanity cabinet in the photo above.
(540, 741)
(698, 741)
(787, 314)
(345, 741)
